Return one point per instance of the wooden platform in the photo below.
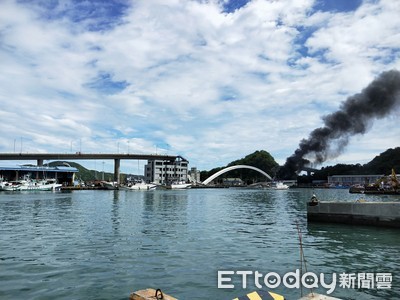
(149, 294)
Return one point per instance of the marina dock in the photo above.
(361, 213)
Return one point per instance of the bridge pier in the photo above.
(40, 162)
(117, 163)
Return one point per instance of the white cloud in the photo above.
(214, 86)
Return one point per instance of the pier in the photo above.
(117, 157)
(362, 213)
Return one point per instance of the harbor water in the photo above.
(107, 244)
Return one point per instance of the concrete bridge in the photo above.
(40, 157)
(212, 177)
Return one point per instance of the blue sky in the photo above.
(211, 81)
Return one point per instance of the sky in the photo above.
(212, 81)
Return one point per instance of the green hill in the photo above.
(384, 162)
(380, 165)
(86, 174)
(259, 159)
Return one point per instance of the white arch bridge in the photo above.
(212, 177)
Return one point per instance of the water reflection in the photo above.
(115, 220)
(77, 244)
(355, 249)
(167, 208)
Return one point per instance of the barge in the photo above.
(385, 214)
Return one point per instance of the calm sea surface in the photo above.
(107, 244)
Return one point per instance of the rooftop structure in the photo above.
(166, 172)
(63, 174)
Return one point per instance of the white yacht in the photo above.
(179, 185)
(138, 186)
(280, 186)
(30, 185)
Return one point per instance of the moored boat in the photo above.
(280, 186)
(110, 185)
(10, 185)
(138, 186)
(179, 185)
(30, 185)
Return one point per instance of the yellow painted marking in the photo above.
(254, 296)
(276, 296)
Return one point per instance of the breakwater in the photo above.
(357, 213)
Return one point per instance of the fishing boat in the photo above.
(10, 185)
(30, 185)
(110, 185)
(280, 186)
(179, 185)
(138, 186)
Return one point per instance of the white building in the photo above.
(165, 172)
(194, 175)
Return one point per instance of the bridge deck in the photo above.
(117, 157)
(79, 155)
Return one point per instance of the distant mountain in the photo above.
(384, 162)
(85, 174)
(380, 165)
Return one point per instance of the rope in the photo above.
(302, 258)
(159, 293)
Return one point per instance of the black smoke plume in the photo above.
(355, 116)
